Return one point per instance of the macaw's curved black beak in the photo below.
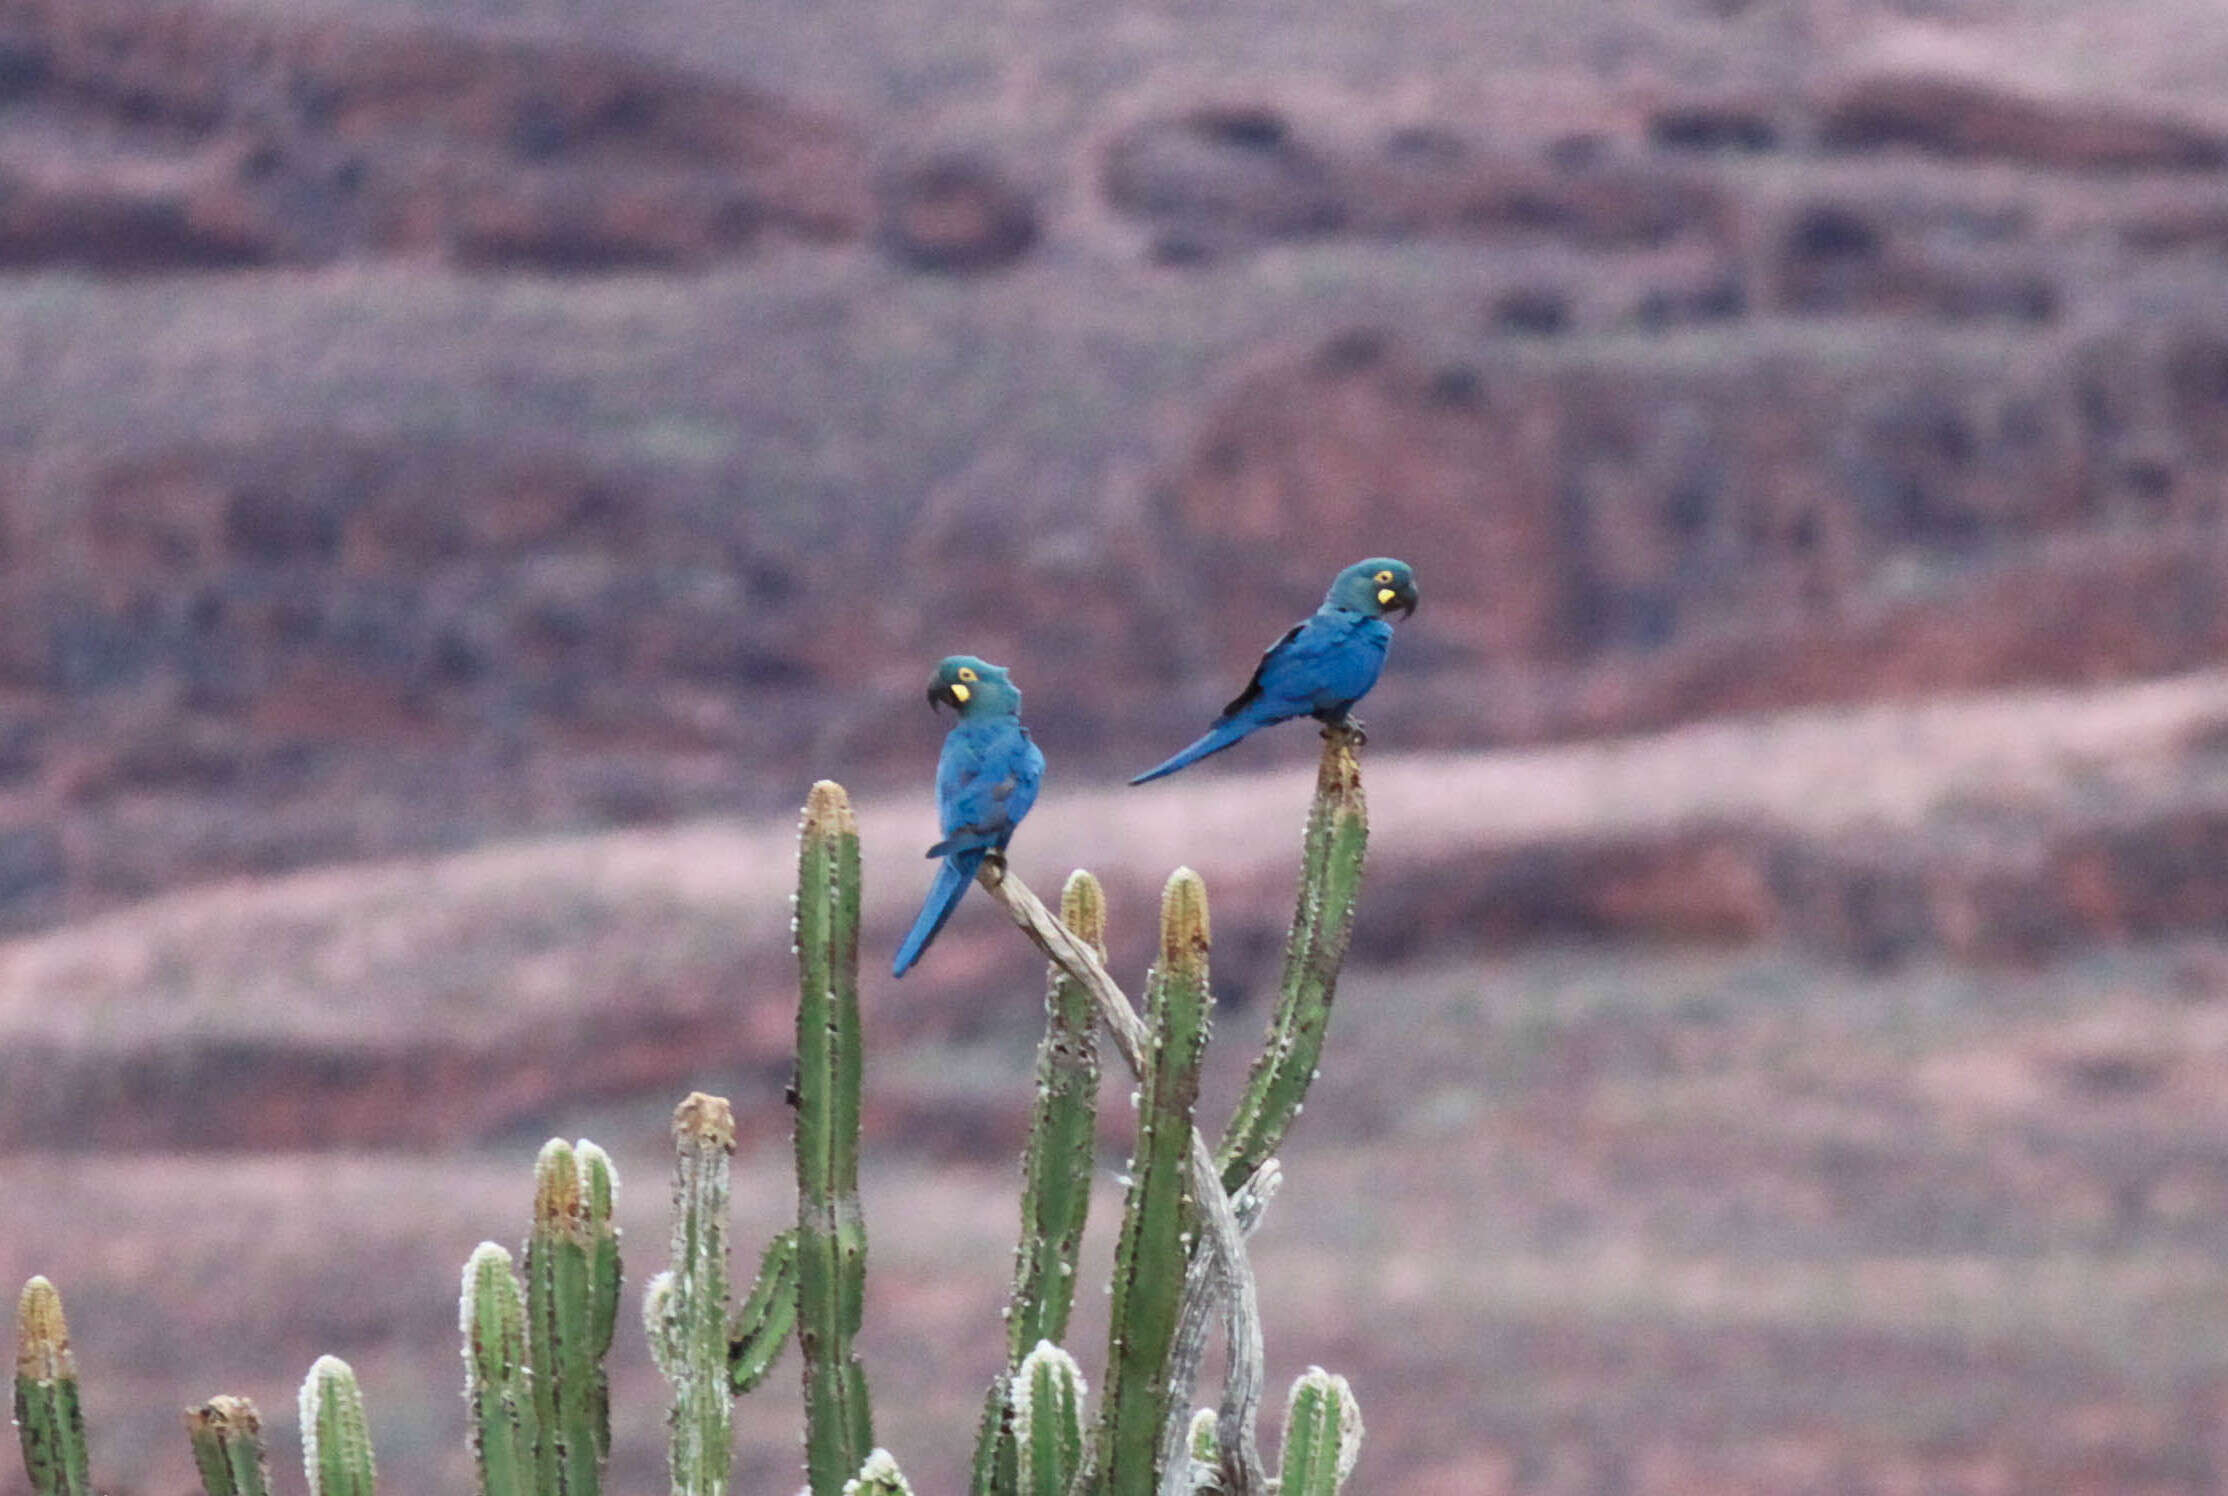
(1405, 602)
(940, 694)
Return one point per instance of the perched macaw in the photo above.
(985, 783)
(1321, 667)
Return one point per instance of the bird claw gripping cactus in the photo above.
(227, 1436)
(1322, 1435)
(572, 1307)
(831, 1231)
(1056, 1184)
(1332, 850)
(50, 1420)
(336, 1445)
(1161, 1213)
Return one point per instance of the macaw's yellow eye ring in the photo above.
(967, 673)
(1382, 578)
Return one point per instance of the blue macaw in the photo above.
(985, 783)
(1321, 667)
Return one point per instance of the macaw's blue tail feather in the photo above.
(943, 897)
(1218, 737)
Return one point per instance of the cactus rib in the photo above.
(1048, 1395)
(687, 1306)
(572, 1290)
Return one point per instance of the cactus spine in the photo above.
(572, 1306)
(1048, 1395)
(498, 1387)
(1158, 1219)
(227, 1436)
(831, 1232)
(336, 1445)
(1322, 923)
(1322, 1435)
(50, 1420)
(685, 1310)
(1056, 1181)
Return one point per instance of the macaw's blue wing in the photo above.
(985, 783)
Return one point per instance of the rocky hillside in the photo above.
(421, 427)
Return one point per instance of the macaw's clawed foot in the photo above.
(1349, 728)
(994, 867)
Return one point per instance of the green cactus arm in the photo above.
(1055, 1180)
(498, 1394)
(336, 1443)
(49, 1417)
(599, 1188)
(1217, 1220)
(1159, 1216)
(686, 1308)
(1322, 1435)
(227, 1438)
(831, 1231)
(571, 1285)
(761, 1327)
(1048, 1394)
(1322, 925)
(878, 1476)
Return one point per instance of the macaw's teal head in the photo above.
(1374, 587)
(974, 688)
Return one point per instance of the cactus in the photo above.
(879, 1476)
(831, 1232)
(1322, 923)
(227, 1436)
(1158, 1220)
(761, 1327)
(336, 1445)
(1322, 1435)
(685, 1310)
(1048, 1395)
(1056, 1182)
(498, 1387)
(50, 1421)
(572, 1306)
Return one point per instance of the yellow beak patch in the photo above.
(1385, 595)
(961, 693)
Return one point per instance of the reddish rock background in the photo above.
(465, 467)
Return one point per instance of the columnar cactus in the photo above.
(1158, 1220)
(1322, 923)
(227, 1437)
(498, 1386)
(685, 1310)
(336, 1444)
(1322, 1435)
(50, 1420)
(1055, 1183)
(572, 1307)
(831, 1231)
